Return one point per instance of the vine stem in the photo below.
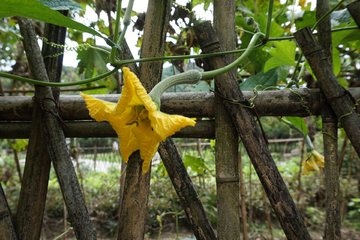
(204, 75)
(127, 20)
(189, 77)
(332, 30)
(326, 15)
(118, 65)
(194, 76)
(123, 62)
(63, 234)
(227, 68)
(295, 69)
(309, 144)
(53, 84)
(117, 21)
(268, 23)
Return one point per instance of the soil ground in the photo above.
(54, 227)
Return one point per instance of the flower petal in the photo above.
(166, 125)
(102, 110)
(310, 165)
(128, 96)
(319, 159)
(137, 128)
(148, 145)
(306, 170)
(140, 91)
(98, 109)
(128, 142)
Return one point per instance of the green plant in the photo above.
(354, 206)
(315, 217)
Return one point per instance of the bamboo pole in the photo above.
(152, 72)
(298, 200)
(55, 141)
(242, 203)
(340, 101)
(61, 90)
(17, 163)
(250, 197)
(343, 151)
(354, 9)
(7, 229)
(199, 104)
(254, 142)
(268, 217)
(348, 182)
(85, 129)
(329, 123)
(29, 217)
(226, 147)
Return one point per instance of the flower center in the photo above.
(140, 115)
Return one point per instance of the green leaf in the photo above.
(62, 5)
(308, 19)
(19, 144)
(10, 32)
(342, 16)
(283, 54)
(257, 57)
(343, 37)
(298, 122)
(244, 9)
(275, 31)
(336, 61)
(195, 163)
(35, 10)
(198, 2)
(268, 79)
(93, 60)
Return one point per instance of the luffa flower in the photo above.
(136, 119)
(312, 162)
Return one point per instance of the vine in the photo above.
(349, 113)
(81, 47)
(302, 102)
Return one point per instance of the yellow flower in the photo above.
(314, 159)
(136, 119)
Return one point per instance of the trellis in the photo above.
(132, 220)
(15, 112)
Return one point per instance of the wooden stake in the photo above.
(55, 141)
(340, 100)
(329, 123)
(226, 147)
(253, 140)
(7, 230)
(242, 203)
(29, 217)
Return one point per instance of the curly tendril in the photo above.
(81, 47)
